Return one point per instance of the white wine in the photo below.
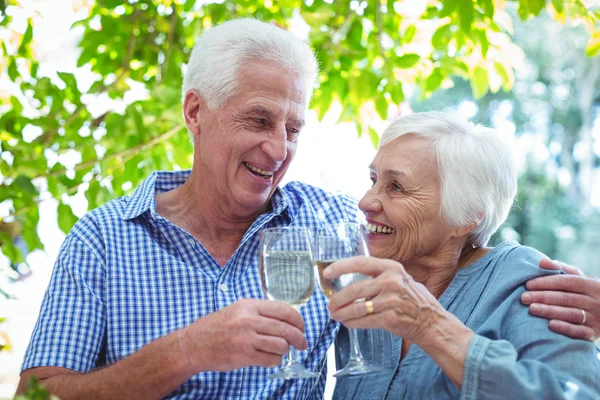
(331, 286)
(287, 276)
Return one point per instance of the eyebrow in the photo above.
(268, 114)
(392, 172)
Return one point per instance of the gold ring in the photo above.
(369, 307)
(584, 317)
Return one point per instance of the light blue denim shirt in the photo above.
(513, 354)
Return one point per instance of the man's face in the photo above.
(243, 150)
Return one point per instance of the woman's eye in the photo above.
(260, 121)
(397, 188)
(373, 181)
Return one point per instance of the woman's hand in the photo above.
(561, 299)
(402, 306)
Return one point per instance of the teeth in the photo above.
(379, 228)
(258, 170)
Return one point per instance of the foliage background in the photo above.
(527, 67)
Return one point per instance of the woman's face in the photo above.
(403, 205)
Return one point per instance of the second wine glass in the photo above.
(334, 243)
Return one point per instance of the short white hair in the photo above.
(219, 53)
(476, 168)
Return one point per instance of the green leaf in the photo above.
(25, 184)
(559, 5)
(488, 8)
(397, 93)
(535, 6)
(479, 82)
(69, 79)
(441, 37)
(407, 61)
(66, 218)
(374, 137)
(483, 41)
(13, 73)
(381, 105)
(506, 81)
(593, 44)
(433, 81)
(409, 34)
(466, 15)
(27, 36)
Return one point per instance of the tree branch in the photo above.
(120, 154)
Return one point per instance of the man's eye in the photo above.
(292, 134)
(373, 181)
(397, 188)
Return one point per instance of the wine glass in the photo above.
(334, 243)
(287, 274)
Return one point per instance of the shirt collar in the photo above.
(143, 198)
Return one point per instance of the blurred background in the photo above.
(90, 105)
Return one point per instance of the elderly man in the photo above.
(158, 294)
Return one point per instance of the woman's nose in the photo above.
(370, 202)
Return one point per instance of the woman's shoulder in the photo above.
(513, 262)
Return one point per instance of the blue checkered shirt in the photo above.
(126, 276)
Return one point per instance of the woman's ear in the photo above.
(464, 230)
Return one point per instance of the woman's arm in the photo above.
(532, 362)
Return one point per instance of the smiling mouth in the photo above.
(258, 172)
(379, 229)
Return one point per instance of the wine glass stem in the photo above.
(355, 354)
(291, 357)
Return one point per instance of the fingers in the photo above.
(285, 334)
(357, 290)
(571, 315)
(271, 344)
(565, 283)
(351, 311)
(281, 311)
(370, 266)
(572, 300)
(556, 265)
(575, 331)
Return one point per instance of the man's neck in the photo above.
(219, 231)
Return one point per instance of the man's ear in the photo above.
(193, 103)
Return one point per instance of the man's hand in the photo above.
(565, 300)
(250, 332)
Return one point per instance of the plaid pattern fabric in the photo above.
(126, 276)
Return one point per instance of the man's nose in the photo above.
(276, 144)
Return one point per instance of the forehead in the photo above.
(267, 85)
(408, 154)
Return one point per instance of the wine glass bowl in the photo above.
(287, 275)
(334, 243)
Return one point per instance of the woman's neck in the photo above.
(436, 272)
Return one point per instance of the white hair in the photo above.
(476, 168)
(219, 53)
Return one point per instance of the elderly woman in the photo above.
(449, 307)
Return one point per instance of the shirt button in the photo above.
(223, 287)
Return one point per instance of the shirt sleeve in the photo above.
(70, 329)
(495, 370)
(517, 356)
